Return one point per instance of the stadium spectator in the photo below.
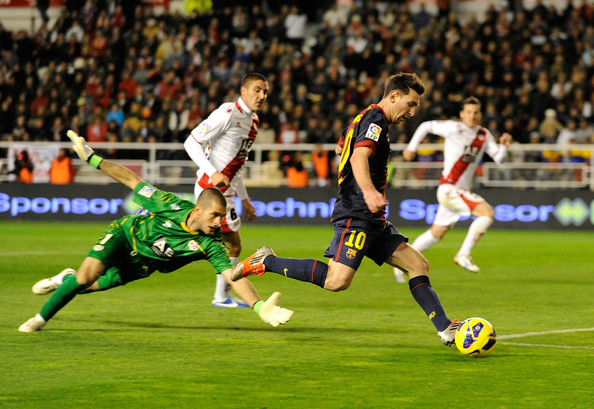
(160, 131)
(169, 87)
(98, 45)
(96, 130)
(219, 146)
(111, 263)
(567, 134)
(550, 127)
(23, 167)
(465, 143)
(115, 114)
(333, 16)
(37, 128)
(127, 84)
(62, 170)
(321, 165)
(19, 131)
(297, 175)
(57, 130)
(178, 117)
(40, 100)
(585, 132)
(295, 24)
(421, 18)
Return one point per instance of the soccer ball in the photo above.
(475, 337)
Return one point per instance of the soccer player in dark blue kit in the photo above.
(359, 216)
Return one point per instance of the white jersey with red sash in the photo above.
(463, 150)
(226, 137)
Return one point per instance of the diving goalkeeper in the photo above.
(176, 233)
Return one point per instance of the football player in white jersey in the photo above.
(220, 145)
(465, 143)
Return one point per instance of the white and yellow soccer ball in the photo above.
(475, 337)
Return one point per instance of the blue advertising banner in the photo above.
(514, 209)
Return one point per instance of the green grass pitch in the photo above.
(158, 343)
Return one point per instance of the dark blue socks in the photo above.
(427, 298)
(309, 270)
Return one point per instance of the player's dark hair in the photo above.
(403, 83)
(471, 101)
(252, 76)
(211, 196)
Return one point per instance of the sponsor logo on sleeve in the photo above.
(146, 191)
(204, 127)
(373, 132)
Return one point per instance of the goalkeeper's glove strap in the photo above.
(257, 306)
(95, 161)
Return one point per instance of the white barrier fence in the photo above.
(167, 164)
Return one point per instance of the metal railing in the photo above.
(164, 164)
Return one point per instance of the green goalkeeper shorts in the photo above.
(122, 264)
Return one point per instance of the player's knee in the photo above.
(484, 210)
(337, 284)
(489, 212)
(420, 268)
(86, 279)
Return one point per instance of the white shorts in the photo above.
(454, 203)
(231, 222)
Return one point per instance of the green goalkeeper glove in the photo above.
(84, 151)
(271, 313)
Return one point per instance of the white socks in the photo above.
(424, 241)
(222, 289)
(476, 230)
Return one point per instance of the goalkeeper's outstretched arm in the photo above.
(269, 311)
(120, 173)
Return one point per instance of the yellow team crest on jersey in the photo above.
(351, 254)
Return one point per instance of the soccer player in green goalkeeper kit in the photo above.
(176, 233)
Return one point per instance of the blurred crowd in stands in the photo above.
(118, 71)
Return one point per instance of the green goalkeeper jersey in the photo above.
(162, 239)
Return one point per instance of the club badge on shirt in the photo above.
(373, 132)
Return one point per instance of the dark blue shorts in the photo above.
(355, 239)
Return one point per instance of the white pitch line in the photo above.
(547, 346)
(532, 334)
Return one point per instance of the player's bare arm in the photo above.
(374, 200)
(248, 210)
(123, 175)
(408, 155)
(219, 180)
(243, 287)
